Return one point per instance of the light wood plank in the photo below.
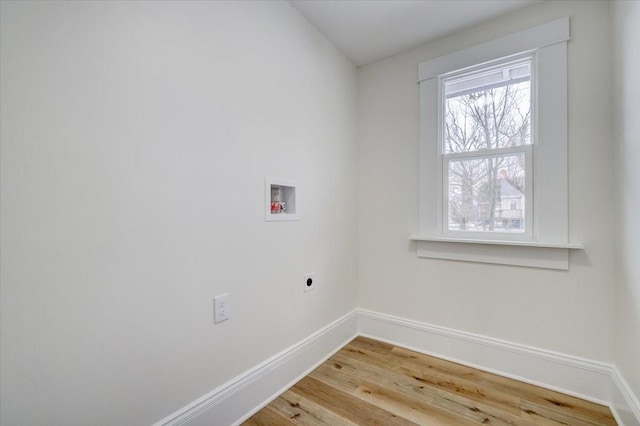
(446, 388)
(500, 390)
(544, 399)
(375, 383)
(267, 417)
(478, 407)
(301, 411)
(413, 409)
(345, 405)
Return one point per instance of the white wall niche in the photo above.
(281, 200)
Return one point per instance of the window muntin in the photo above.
(486, 149)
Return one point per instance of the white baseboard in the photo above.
(238, 399)
(587, 379)
(625, 404)
(235, 401)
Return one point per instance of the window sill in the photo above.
(518, 253)
(499, 242)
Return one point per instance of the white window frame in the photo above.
(547, 243)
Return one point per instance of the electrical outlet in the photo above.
(309, 281)
(221, 308)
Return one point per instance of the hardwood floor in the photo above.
(374, 383)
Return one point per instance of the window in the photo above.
(493, 151)
(486, 149)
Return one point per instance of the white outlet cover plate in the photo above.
(310, 276)
(221, 308)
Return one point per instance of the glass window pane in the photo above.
(487, 194)
(488, 109)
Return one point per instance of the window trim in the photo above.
(535, 38)
(547, 44)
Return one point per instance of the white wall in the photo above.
(626, 111)
(569, 312)
(135, 142)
